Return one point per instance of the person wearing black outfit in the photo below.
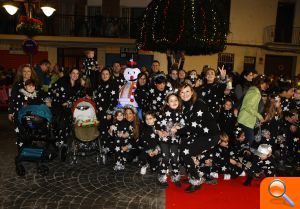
(200, 133)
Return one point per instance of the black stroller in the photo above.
(35, 134)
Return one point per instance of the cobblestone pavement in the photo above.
(82, 186)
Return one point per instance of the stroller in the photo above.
(35, 134)
(86, 139)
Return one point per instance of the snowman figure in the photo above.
(126, 95)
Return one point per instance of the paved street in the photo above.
(82, 186)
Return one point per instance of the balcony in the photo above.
(282, 40)
(80, 26)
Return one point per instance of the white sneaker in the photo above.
(214, 175)
(144, 170)
(227, 176)
(243, 173)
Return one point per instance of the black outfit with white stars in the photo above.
(141, 97)
(156, 98)
(227, 121)
(120, 80)
(287, 104)
(169, 145)
(122, 127)
(62, 92)
(212, 94)
(220, 157)
(19, 100)
(106, 98)
(201, 133)
(88, 64)
(149, 141)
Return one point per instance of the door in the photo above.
(284, 22)
(280, 65)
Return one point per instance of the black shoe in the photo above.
(192, 188)
(177, 184)
(248, 181)
(185, 181)
(164, 184)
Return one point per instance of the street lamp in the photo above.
(11, 8)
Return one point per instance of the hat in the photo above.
(263, 150)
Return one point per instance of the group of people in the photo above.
(206, 123)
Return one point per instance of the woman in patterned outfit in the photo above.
(212, 91)
(201, 132)
(62, 95)
(106, 98)
(25, 72)
(158, 92)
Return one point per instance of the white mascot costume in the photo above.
(126, 96)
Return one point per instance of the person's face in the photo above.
(155, 67)
(224, 143)
(181, 74)
(45, 67)
(150, 120)
(74, 75)
(210, 76)
(142, 80)
(186, 94)
(290, 93)
(129, 115)
(105, 75)
(173, 102)
(242, 137)
(227, 105)
(116, 67)
(249, 77)
(91, 54)
(264, 86)
(26, 73)
(120, 116)
(277, 102)
(297, 94)
(30, 88)
(193, 74)
(160, 86)
(174, 74)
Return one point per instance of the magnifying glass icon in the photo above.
(277, 189)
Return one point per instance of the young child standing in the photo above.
(149, 144)
(228, 118)
(121, 132)
(90, 65)
(169, 122)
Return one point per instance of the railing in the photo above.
(80, 26)
(271, 35)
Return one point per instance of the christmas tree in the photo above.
(194, 26)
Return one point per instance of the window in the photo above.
(226, 59)
(249, 63)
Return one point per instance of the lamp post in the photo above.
(29, 45)
(12, 7)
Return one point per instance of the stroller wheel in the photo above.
(63, 152)
(43, 170)
(20, 170)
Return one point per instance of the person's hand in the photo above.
(262, 120)
(235, 112)
(125, 135)
(233, 162)
(48, 104)
(108, 117)
(65, 104)
(222, 72)
(173, 130)
(208, 162)
(125, 148)
(155, 152)
(10, 117)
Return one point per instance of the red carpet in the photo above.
(225, 195)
